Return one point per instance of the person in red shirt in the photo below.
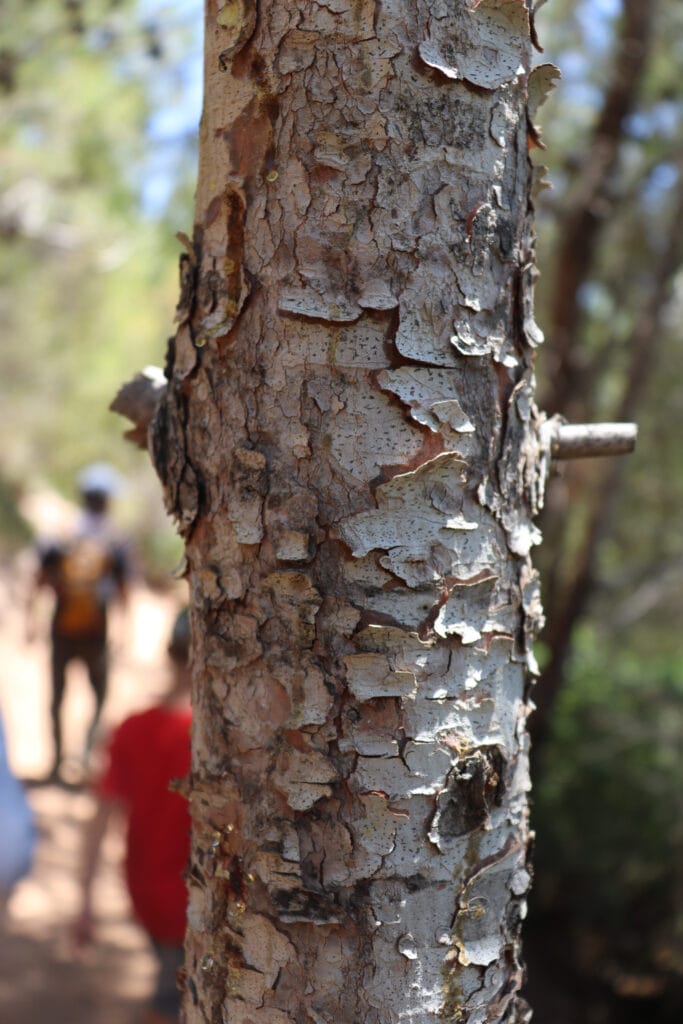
(146, 752)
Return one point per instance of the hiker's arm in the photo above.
(41, 577)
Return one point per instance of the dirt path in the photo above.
(41, 979)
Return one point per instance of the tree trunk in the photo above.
(349, 443)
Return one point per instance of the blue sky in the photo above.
(175, 84)
(175, 87)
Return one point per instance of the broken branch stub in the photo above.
(138, 399)
(588, 440)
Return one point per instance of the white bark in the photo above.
(349, 444)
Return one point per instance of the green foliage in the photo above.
(88, 278)
(608, 799)
(14, 530)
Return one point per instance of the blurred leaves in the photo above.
(88, 277)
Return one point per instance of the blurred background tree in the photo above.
(99, 101)
(605, 937)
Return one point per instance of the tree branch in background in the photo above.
(569, 379)
(586, 211)
(644, 345)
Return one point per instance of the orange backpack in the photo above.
(83, 586)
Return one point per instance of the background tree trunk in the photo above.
(349, 443)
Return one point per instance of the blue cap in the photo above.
(100, 478)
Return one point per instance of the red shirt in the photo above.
(145, 753)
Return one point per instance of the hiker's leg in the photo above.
(60, 658)
(95, 657)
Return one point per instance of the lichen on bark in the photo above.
(353, 465)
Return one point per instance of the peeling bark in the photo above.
(349, 443)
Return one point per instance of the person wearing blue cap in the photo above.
(86, 573)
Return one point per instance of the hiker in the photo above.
(86, 572)
(146, 753)
(17, 832)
